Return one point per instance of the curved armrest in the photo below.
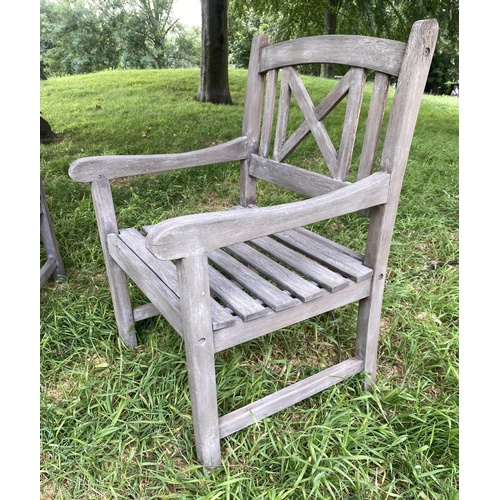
(95, 168)
(194, 234)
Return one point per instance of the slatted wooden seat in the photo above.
(224, 278)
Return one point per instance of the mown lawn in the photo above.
(115, 422)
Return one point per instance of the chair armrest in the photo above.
(194, 234)
(94, 168)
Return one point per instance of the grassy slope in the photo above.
(115, 423)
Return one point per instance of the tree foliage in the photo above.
(78, 36)
(285, 19)
(81, 36)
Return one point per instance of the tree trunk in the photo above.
(328, 70)
(214, 77)
(42, 74)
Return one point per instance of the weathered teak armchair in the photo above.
(221, 279)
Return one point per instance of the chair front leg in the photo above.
(106, 223)
(199, 345)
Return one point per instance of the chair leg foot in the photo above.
(126, 325)
(367, 339)
(369, 383)
(129, 338)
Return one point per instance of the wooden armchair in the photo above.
(224, 278)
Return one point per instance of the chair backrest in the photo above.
(271, 143)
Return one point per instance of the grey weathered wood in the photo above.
(199, 346)
(327, 255)
(243, 304)
(160, 295)
(319, 274)
(244, 331)
(269, 249)
(47, 269)
(283, 114)
(117, 278)
(374, 124)
(193, 234)
(284, 398)
(167, 272)
(95, 168)
(397, 143)
(316, 126)
(337, 247)
(352, 50)
(265, 291)
(353, 109)
(268, 118)
(299, 287)
(333, 98)
(252, 115)
(145, 311)
(54, 265)
(294, 178)
(333, 244)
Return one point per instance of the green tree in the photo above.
(75, 38)
(445, 63)
(292, 19)
(243, 26)
(184, 50)
(82, 36)
(380, 18)
(154, 24)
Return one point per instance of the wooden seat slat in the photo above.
(167, 272)
(344, 264)
(162, 297)
(245, 306)
(333, 244)
(268, 293)
(295, 284)
(328, 279)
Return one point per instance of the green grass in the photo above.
(115, 422)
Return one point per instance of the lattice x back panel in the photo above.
(283, 83)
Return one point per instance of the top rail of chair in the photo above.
(353, 50)
(378, 54)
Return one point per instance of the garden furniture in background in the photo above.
(53, 265)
